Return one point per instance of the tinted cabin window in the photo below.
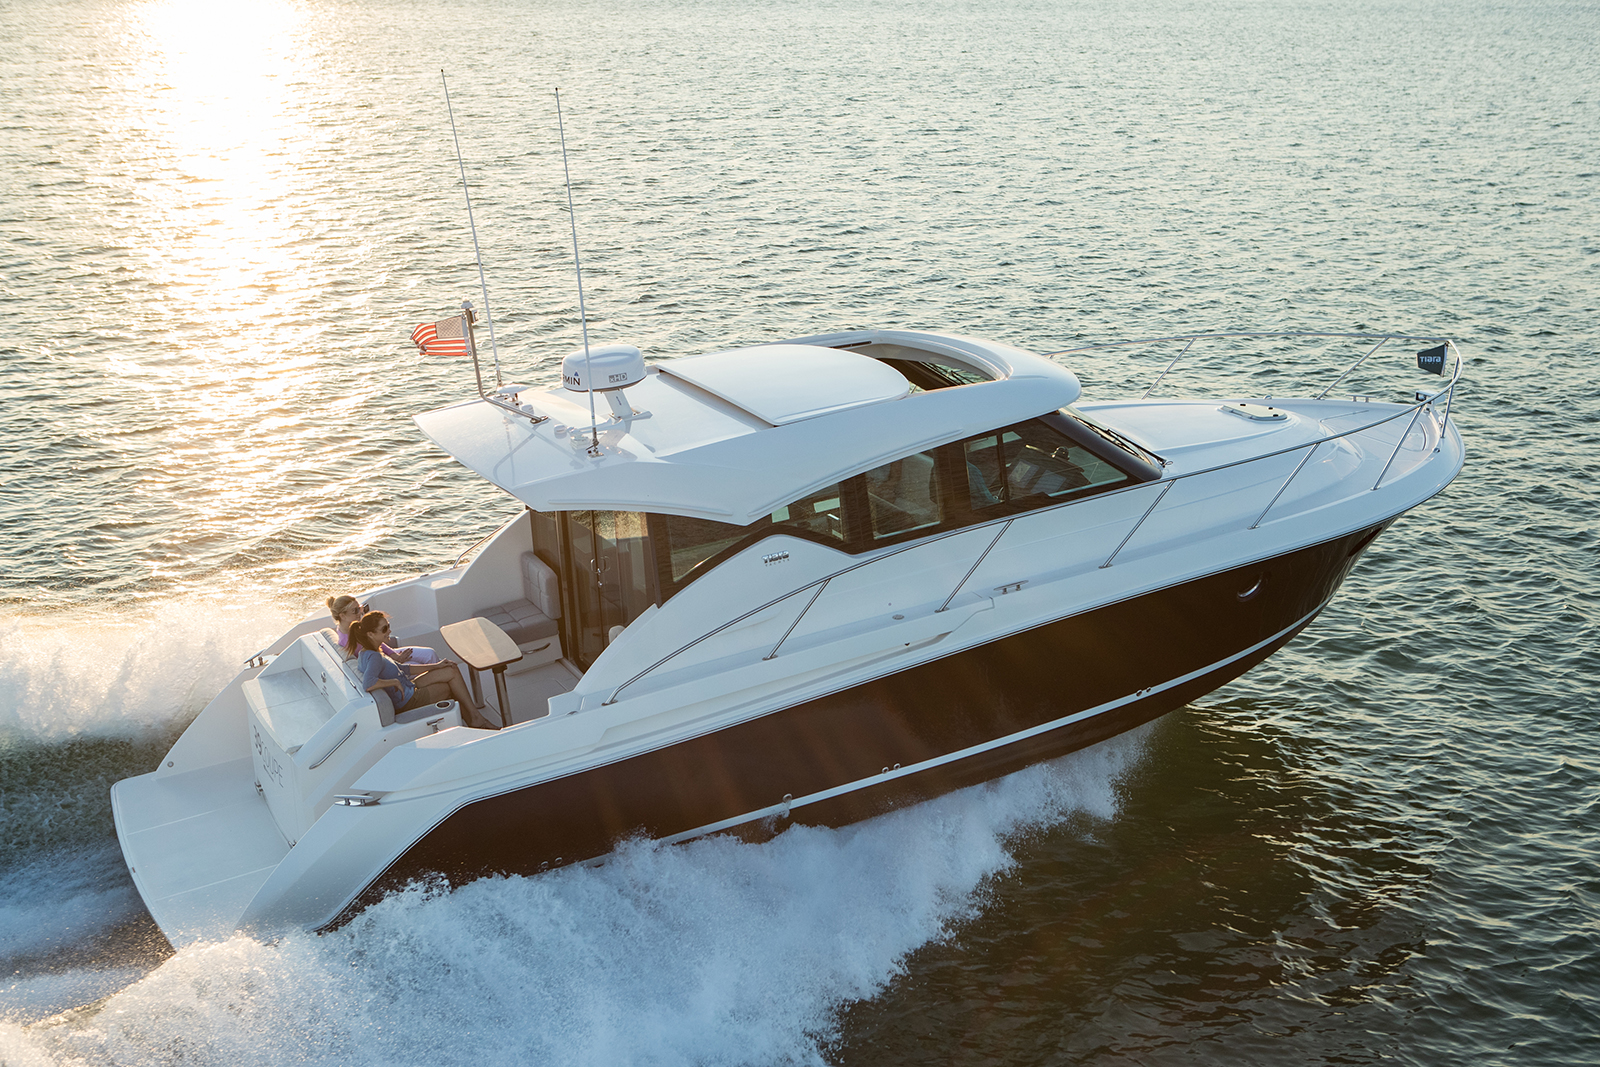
(903, 496)
(546, 538)
(693, 541)
(1031, 461)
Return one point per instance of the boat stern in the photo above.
(199, 845)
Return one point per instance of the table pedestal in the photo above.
(483, 646)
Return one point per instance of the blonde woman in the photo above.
(347, 610)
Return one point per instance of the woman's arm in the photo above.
(371, 665)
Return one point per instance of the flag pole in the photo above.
(483, 283)
(472, 344)
(583, 317)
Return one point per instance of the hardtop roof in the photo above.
(733, 435)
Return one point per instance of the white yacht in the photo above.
(806, 581)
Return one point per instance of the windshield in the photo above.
(1107, 434)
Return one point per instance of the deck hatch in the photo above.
(781, 384)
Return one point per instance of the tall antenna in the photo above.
(583, 317)
(482, 282)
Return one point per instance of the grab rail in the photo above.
(1415, 410)
(981, 557)
(822, 582)
(774, 653)
(1189, 340)
(329, 754)
(476, 544)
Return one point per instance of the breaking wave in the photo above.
(85, 672)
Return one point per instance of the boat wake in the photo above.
(128, 673)
(713, 952)
(62, 900)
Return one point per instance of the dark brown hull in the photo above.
(998, 699)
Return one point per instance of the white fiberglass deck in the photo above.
(210, 820)
(778, 620)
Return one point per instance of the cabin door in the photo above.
(608, 568)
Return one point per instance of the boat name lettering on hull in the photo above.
(774, 557)
(269, 763)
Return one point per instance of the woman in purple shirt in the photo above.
(347, 609)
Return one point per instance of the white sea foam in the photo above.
(42, 996)
(85, 672)
(713, 952)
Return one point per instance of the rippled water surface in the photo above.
(219, 222)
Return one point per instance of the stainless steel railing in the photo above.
(1414, 410)
(479, 543)
(1421, 402)
(818, 584)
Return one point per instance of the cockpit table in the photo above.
(484, 647)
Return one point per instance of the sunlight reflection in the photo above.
(219, 114)
(223, 127)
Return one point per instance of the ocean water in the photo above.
(219, 223)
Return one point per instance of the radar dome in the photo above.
(606, 367)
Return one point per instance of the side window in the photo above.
(696, 540)
(903, 496)
(820, 513)
(693, 541)
(1031, 460)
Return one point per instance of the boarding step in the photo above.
(199, 845)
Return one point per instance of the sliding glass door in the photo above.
(611, 572)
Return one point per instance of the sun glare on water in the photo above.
(221, 139)
(222, 128)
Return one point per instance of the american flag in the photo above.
(442, 338)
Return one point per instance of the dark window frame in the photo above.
(1133, 471)
(958, 513)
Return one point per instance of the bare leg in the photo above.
(449, 672)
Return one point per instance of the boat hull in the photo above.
(968, 717)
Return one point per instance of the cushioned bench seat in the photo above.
(533, 619)
(523, 622)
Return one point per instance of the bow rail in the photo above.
(1421, 401)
